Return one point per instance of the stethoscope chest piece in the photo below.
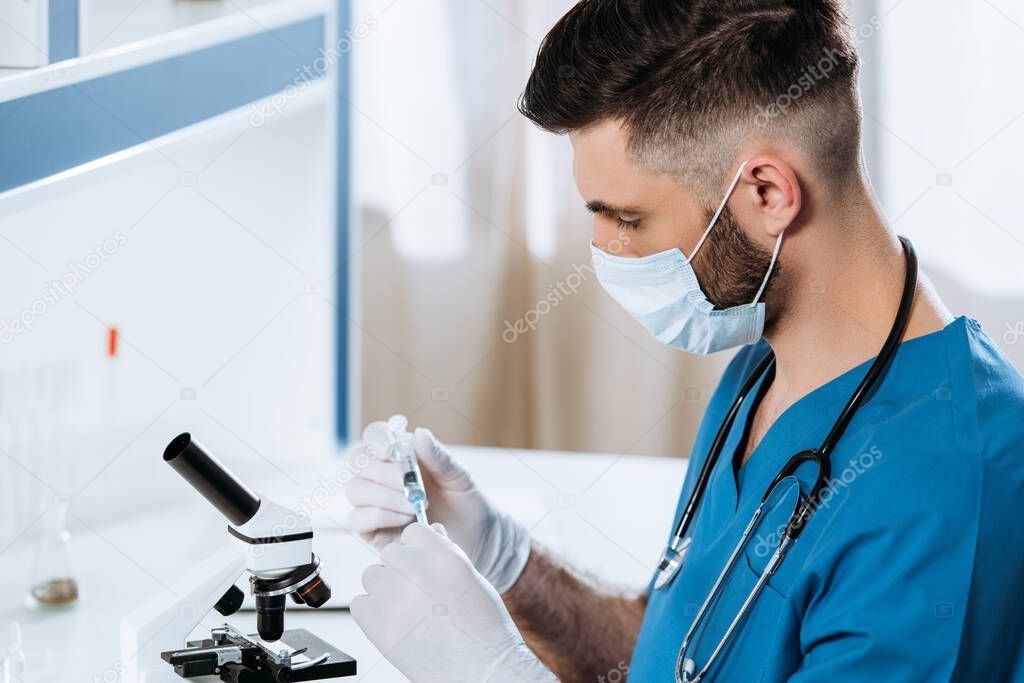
(671, 561)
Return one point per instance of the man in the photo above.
(913, 568)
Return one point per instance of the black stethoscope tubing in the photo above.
(820, 455)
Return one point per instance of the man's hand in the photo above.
(435, 618)
(498, 546)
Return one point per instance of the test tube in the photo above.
(14, 661)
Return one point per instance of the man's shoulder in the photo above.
(952, 394)
(987, 399)
(953, 439)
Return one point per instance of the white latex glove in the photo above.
(436, 619)
(497, 545)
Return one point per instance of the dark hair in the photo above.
(691, 79)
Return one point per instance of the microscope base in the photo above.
(250, 663)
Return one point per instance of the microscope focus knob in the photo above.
(230, 602)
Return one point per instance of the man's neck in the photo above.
(841, 298)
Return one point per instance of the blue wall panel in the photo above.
(342, 283)
(63, 29)
(55, 130)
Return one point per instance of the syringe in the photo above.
(412, 480)
(405, 454)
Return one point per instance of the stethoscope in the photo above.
(675, 553)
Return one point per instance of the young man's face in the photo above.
(636, 213)
(639, 213)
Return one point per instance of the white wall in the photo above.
(222, 244)
(945, 104)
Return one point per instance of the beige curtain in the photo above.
(480, 317)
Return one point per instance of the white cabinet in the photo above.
(24, 35)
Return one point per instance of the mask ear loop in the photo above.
(771, 267)
(721, 208)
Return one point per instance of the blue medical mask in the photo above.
(661, 291)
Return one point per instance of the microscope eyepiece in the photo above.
(214, 481)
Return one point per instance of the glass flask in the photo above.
(54, 585)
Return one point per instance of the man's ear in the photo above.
(775, 193)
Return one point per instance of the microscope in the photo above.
(274, 546)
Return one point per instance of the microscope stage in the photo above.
(248, 661)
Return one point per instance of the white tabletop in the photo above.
(608, 515)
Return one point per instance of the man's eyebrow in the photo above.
(598, 206)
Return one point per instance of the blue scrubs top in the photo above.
(911, 570)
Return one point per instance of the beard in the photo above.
(730, 267)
